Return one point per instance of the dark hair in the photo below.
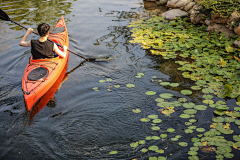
(43, 29)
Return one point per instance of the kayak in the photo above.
(41, 74)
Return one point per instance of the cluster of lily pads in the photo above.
(210, 61)
(207, 58)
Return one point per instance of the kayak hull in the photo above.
(33, 90)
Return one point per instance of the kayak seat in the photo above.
(38, 74)
(57, 30)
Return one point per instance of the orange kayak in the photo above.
(40, 75)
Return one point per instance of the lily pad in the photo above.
(153, 148)
(186, 92)
(200, 107)
(192, 153)
(218, 119)
(144, 150)
(185, 116)
(188, 131)
(153, 116)
(113, 152)
(130, 85)
(136, 110)
(157, 121)
(134, 145)
(166, 95)
(145, 119)
(200, 130)
(188, 105)
(164, 83)
(163, 135)
(170, 130)
(159, 100)
(190, 111)
(183, 144)
(102, 81)
(174, 84)
(155, 128)
(150, 93)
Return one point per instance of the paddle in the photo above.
(5, 17)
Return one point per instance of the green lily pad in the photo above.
(200, 130)
(144, 150)
(150, 93)
(205, 96)
(155, 128)
(192, 153)
(174, 84)
(185, 116)
(153, 116)
(188, 105)
(200, 107)
(159, 100)
(188, 131)
(116, 86)
(195, 87)
(170, 130)
(222, 107)
(153, 148)
(228, 155)
(113, 152)
(164, 83)
(136, 110)
(145, 119)
(192, 120)
(161, 158)
(142, 142)
(190, 111)
(102, 81)
(130, 85)
(157, 121)
(166, 95)
(236, 138)
(208, 101)
(218, 119)
(186, 92)
(183, 144)
(163, 135)
(155, 137)
(194, 149)
(134, 145)
(182, 100)
(174, 139)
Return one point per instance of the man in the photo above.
(42, 48)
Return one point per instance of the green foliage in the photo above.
(225, 7)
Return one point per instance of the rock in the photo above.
(189, 6)
(163, 2)
(236, 43)
(172, 14)
(199, 18)
(217, 18)
(221, 28)
(237, 30)
(178, 3)
(195, 16)
(209, 21)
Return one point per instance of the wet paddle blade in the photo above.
(4, 16)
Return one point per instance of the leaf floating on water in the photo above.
(183, 144)
(145, 119)
(108, 79)
(208, 101)
(200, 129)
(185, 116)
(182, 100)
(155, 137)
(153, 148)
(195, 87)
(130, 85)
(188, 131)
(163, 135)
(170, 130)
(188, 105)
(157, 121)
(142, 142)
(150, 93)
(144, 150)
(113, 152)
(186, 92)
(153, 116)
(136, 110)
(167, 111)
(218, 119)
(174, 84)
(159, 100)
(200, 107)
(134, 145)
(117, 86)
(102, 81)
(164, 83)
(95, 89)
(155, 128)
(190, 111)
(166, 95)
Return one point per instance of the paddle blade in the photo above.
(4, 16)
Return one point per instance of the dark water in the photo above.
(80, 123)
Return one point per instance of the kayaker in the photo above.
(42, 48)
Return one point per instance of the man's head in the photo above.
(43, 29)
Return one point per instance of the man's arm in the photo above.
(23, 41)
(59, 52)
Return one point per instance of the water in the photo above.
(81, 123)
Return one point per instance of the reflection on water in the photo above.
(36, 11)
